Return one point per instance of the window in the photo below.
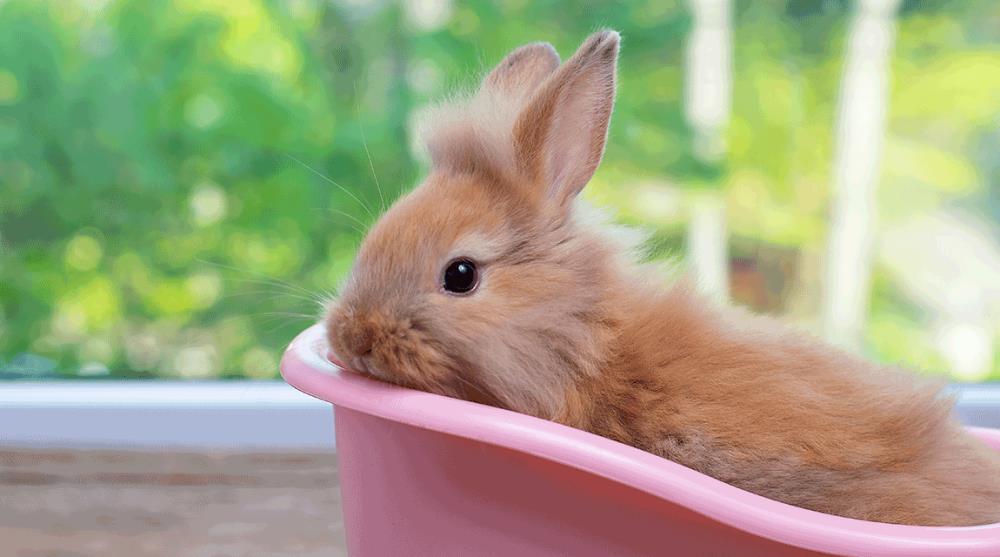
(183, 182)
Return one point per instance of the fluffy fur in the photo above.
(565, 326)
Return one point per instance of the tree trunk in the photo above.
(707, 107)
(860, 132)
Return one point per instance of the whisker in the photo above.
(289, 289)
(328, 297)
(261, 277)
(364, 142)
(274, 295)
(282, 323)
(283, 319)
(283, 314)
(342, 188)
(360, 227)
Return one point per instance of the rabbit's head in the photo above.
(486, 282)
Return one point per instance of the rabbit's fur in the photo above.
(566, 326)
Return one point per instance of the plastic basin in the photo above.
(423, 474)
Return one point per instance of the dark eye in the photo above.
(461, 276)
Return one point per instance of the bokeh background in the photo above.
(181, 179)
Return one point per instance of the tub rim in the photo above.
(305, 367)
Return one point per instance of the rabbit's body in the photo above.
(770, 410)
(489, 283)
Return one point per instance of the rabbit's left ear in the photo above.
(560, 134)
(522, 71)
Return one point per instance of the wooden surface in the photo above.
(98, 503)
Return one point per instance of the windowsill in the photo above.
(230, 415)
(150, 415)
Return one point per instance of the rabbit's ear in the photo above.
(559, 135)
(522, 71)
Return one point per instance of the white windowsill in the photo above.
(230, 415)
(233, 415)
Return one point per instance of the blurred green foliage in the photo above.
(167, 169)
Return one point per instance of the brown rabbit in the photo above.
(490, 282)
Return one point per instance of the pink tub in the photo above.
(423, 474)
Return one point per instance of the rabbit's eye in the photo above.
(461, 276)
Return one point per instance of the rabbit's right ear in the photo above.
(560, 134)
(522, 71)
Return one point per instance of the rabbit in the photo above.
(492, 282)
